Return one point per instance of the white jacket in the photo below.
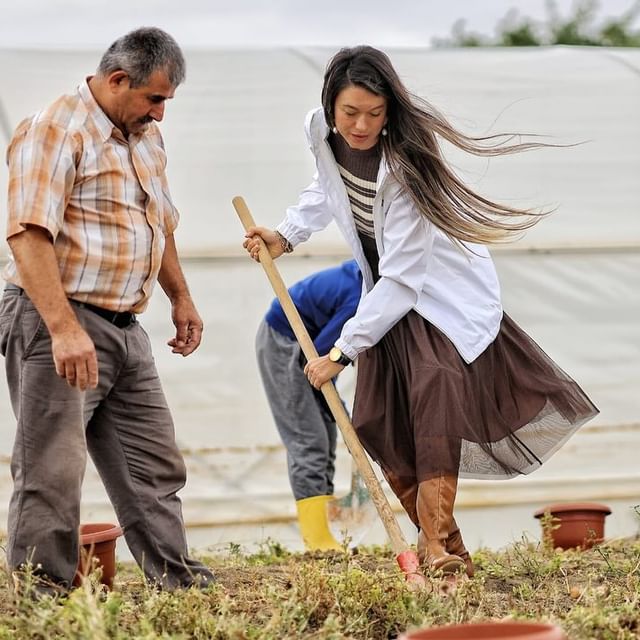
(420, 267)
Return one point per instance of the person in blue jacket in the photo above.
(325, 301)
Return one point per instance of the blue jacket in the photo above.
(325, 301)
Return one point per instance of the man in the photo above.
(90, 227)
(325, 301)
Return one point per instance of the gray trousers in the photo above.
(126, 427)
(304, 422)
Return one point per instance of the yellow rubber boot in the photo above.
(314, 524)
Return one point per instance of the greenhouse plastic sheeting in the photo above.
(573, 282)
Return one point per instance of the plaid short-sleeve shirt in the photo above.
(103, 198)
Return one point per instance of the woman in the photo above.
(448, 385)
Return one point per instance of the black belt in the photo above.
(120, 319)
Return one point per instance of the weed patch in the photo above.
(274, 593)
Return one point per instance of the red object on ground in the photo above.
(410, 565)
(97, 549)
(498, 630)
(576, 524)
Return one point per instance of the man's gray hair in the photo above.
(140, 53)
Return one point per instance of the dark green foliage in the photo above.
(579, 28)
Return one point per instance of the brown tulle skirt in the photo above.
(421, 411)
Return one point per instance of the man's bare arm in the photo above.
(73, 350)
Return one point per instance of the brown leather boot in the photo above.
(406, 490)
(435, 513)
(456, 547)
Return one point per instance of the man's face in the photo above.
(134, 108)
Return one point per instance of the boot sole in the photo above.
(449, 567)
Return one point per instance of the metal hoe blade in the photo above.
(352, 515)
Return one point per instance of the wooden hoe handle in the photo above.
(406, 558)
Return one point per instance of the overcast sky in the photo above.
(241, 23)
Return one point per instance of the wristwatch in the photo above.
(335, 355)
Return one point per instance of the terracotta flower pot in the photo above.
(97, 549)
(575, 524)
(508, 630)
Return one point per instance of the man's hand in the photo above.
(74, 356)
(188, 324)
(320, 370)
(186, 319)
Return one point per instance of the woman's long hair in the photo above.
(414, 156)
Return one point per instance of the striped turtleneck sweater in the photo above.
(359, 172)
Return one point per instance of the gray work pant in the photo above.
(126, 427)
(303, 420)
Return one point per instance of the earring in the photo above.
(335, 129)
(384, 131)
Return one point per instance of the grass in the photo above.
(593, 594)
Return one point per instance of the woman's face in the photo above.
(360, 116)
